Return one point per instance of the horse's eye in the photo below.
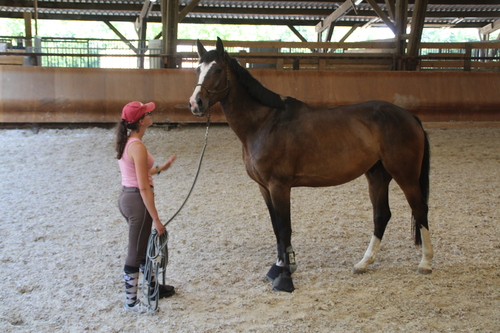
(218, 70)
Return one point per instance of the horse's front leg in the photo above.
(278, 202)
(277, 268)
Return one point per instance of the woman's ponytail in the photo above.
(121, 138)
(122, 135)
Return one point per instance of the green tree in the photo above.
(12, 27)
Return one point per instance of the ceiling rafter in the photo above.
(477, 14)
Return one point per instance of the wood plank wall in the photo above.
(83, 95)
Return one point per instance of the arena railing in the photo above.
(370, 55)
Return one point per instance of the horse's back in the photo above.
(368, 118)
(325, 147)
(394, 122)
(393, 128)
(399, 135)
(386, 114)
(377, 112)
(371, 111)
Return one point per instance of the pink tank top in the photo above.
(127, 167)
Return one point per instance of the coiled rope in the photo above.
(157, 251)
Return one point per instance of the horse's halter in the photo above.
(211, 93)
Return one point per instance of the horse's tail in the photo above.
(424, 182)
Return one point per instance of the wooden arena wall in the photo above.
(86, 95)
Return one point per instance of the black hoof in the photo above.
(283, 283)
(274, 272)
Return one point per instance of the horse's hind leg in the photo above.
(378, 181)
(419, 209)
(427, 252)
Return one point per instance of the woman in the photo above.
(136, 201)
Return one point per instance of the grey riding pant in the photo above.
(139, 222)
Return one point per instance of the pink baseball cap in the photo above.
(133, 111)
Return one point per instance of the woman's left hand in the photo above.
(160, 228)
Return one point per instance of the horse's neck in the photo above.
(244, 114)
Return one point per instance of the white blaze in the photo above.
(203, 70)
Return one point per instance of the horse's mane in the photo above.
(251, 84)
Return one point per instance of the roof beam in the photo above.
(186, 10)
(489, 28)
(297, 33)
(123, 38)
(143, 16)
(256, 12)
(391, 9)
(353, 28)
(299, 36)
(343, 39)
(382, 15)
(102, 6)
(338, 13)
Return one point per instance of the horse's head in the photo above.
(213, 79)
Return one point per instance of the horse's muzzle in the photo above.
(197, 112)
(197, 107)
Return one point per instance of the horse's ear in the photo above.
(201, 48)
(219, 46)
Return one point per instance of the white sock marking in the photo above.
(427, 251)
(370, 254)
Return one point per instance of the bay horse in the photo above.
(287, 143)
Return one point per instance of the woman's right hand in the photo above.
(160, 228)
(168, 163)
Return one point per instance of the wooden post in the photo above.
(401, 22)
(169, 17)
(27, 28)
(241, 58)
(280, 64)
(322, 64)
(35, 5)
(28, 43)
(417, 25)
(142, 42)
(468, 55)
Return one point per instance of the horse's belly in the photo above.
(332, 173)
(319, 181)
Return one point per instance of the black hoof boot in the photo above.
(283, 283)
(274, 272)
